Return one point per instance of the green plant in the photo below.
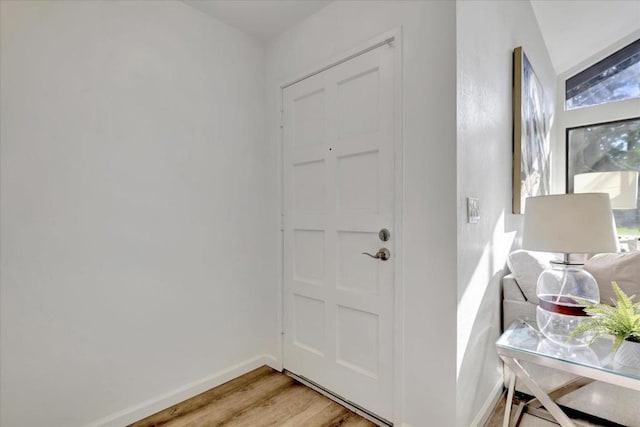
(621, 320)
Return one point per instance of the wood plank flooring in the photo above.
(260, 398)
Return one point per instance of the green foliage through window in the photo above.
(607, 147)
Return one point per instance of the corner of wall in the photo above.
(487, 407)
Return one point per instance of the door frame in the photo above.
(398, 294)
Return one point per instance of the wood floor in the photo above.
(260, 398)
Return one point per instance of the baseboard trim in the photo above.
(187, 391)
(485, 411)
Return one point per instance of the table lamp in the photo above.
(622, 186)
(567, 224)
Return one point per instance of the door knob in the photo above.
(382, 254)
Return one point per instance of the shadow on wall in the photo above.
(472, 306)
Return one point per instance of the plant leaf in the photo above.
(621, 320)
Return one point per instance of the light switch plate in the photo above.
(473, 210)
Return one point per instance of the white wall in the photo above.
(134, 201)
(487, 33)
(428, 127)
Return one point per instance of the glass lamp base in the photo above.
(562, 291)
(559, 327)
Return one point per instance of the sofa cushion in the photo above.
(623, 268)
(510, 289)
(526, 266)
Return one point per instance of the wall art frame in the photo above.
(531, 132)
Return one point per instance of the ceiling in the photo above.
(575, 30)
(262, 19)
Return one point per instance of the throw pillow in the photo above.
(623, 268)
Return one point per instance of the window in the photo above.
(607, 147)
(615, 78)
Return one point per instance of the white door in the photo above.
(339, 177)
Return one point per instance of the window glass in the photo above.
(607, 147)
(615, 78)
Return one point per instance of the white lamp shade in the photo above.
(622, 187)
(569, 223)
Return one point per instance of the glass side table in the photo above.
(522, 342)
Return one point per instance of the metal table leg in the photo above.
(509, 403)
(543, 397)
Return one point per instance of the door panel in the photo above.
(338, 193)
(357, 183)
(308, 330)
(357, 102)
(357, 338)
(309, 189)
(309, 119)
(308, 255)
